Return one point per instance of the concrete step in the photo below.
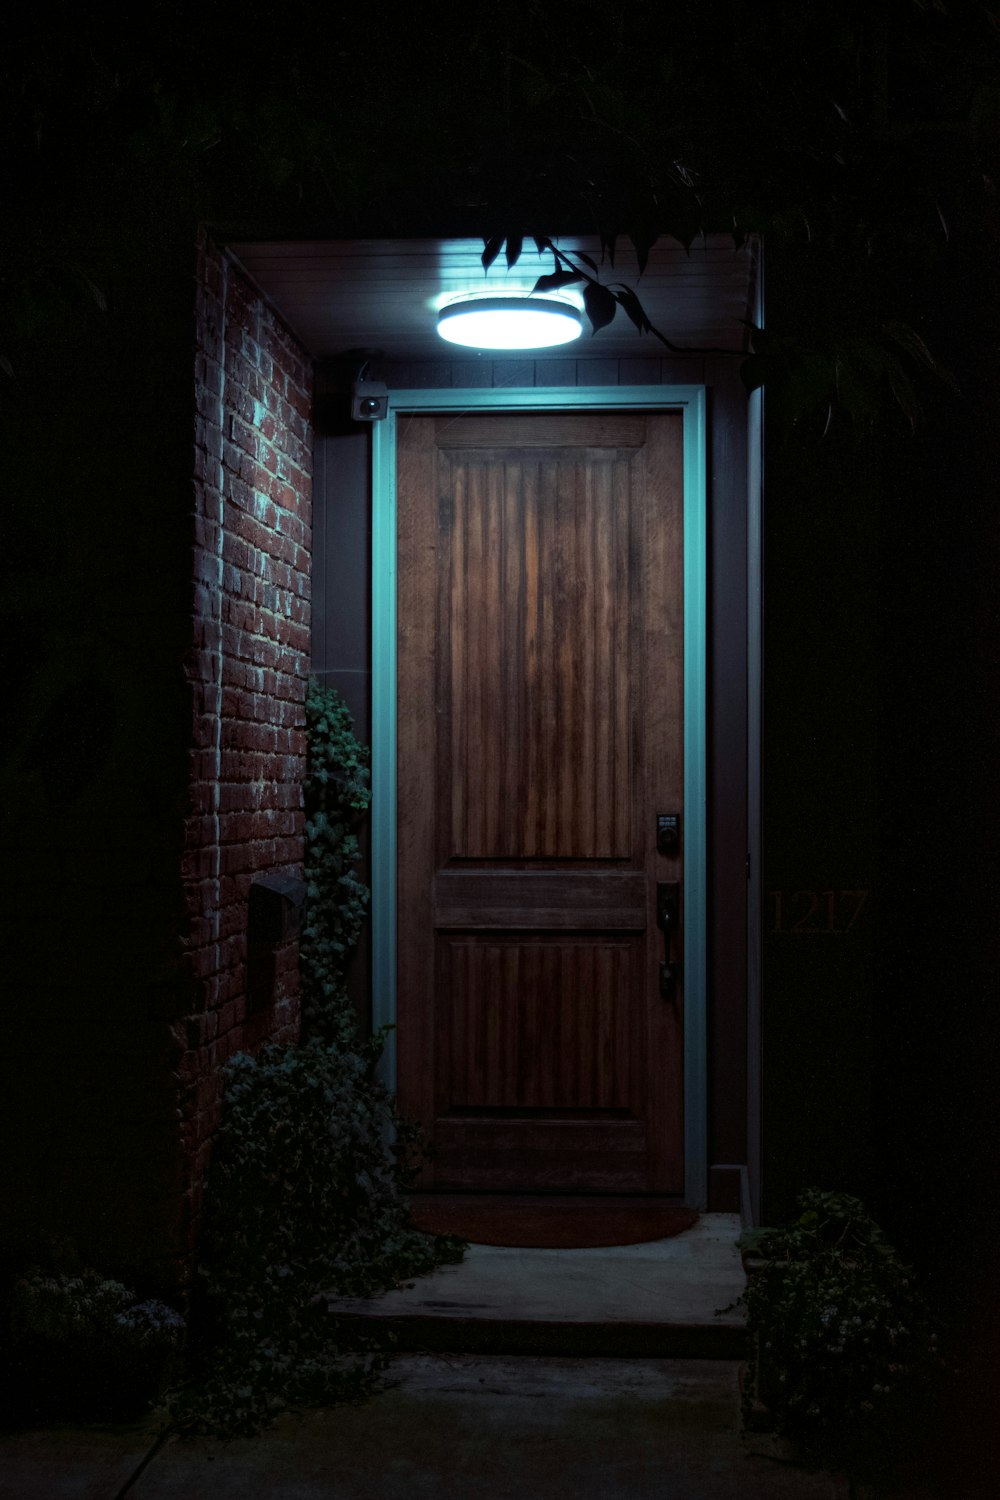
(664, 1299)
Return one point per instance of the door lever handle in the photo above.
(667, 908)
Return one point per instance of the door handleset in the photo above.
(667, 913)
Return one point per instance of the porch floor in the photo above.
(657, 1299)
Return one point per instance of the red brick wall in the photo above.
(247, 671)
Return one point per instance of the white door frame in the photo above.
(690, 401)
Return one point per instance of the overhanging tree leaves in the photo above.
(861, 139)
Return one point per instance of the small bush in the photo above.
(841, 1337)
(83, 1345)
(309, 1169)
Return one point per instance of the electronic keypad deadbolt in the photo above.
(668, 833)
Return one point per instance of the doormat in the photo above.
(549, 1225)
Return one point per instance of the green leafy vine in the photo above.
(337, 795)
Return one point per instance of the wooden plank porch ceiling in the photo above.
(344, 295)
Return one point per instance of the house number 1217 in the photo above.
(800, 912)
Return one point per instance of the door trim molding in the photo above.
(690, 401)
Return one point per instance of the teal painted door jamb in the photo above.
(690, 400)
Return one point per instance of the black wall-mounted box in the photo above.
(276, 907)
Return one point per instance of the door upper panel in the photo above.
(537, 640)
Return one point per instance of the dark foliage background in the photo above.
(864, 135)
(861, 141)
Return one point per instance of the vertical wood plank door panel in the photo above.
(540, 710)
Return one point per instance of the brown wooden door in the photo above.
(540, 715)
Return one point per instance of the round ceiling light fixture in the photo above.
(512, 322)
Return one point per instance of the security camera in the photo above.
(369, 400)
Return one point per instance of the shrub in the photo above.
(306, 1188)
(841, 1337)
(83, 1345)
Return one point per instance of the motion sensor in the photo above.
(369, 400)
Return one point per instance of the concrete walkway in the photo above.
(484, 1423)
(457, 1427)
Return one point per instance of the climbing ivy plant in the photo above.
(337, 795)
(306, 1192)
